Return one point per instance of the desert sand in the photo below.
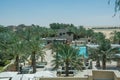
(106, 32)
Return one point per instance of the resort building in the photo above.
(63, 35)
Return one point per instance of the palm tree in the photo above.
(5, 43)
(106, 51)
(117, 6)
(40, 54)
(107, 55)
(17, 49)
(82, 32)
(113, 38)
(68, 56)
(11, 45)
(32, 41)
(98, 37)
(95, 55)
(118, 37)
(89, 33)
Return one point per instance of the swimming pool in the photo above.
(82, 51)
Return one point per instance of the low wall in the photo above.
(116, 75)
(63, 78)
(93, 75)
(103, 74)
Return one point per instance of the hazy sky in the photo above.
(44, 12)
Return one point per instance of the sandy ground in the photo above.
(106, 32)
(109, 66)
(49, 58)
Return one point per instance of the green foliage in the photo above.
(105, 45)
(32, 41)
(23, 40)
(1, 68)
(105, 28)
(116, 37)
(60, 26)
(89, 33)
(98, 37)
(103, 52)
(81, 32)
(19, 42)
(7, 62)
(67, 56)
(117, 6)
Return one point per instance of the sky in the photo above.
(44, 12)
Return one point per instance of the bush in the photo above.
(4, 62)
(1, 68)
(7, 62)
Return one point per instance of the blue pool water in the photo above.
(83, 51)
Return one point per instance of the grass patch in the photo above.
(1, 67)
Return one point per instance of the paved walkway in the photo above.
(48, 58)
(109, 66)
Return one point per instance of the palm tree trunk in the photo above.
(98, 62)
(119, 42)
(57, 64)
(104, 62)
(42, 59)
(17, 62)
(67, 69)
(33, 62)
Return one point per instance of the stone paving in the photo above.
(109, 66)
(49, 57)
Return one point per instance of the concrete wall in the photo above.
(116, 75)
(103, 74)
(63, 78)
(95, 75)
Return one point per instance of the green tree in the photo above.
(104, 52)
(117, 6)
(67, 56)
(89, 33)
(104, 49)
(95, 55)
(107, 55)
(60, 26)
(82, 32)
(17, 49)
(98, 37)
(116, 37)
(5, 43)
(33, 41)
